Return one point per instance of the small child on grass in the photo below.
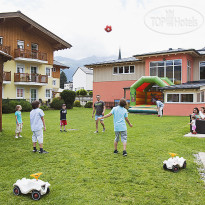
(193, 124)
(63, 113)
(37, 123)
(19, 122)
(120, 116)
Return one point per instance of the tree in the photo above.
(63, 79)
(83, 92)
(69, 97)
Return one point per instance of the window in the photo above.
(172, 97)
(33, 94)
(20, 45)
(34, 47)
(54, 82)
(48, 72)
(33, 69)
(48, 93)
(170, 69)
(20, 68)
(1, 40)
(202, 70)
(53, 69)
(132, 69)
(115, 71)
(188, 71)
(123, 70)
(180, 97)
(202, 96)
(186, 97)
(19, 93)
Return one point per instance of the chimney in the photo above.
(119, 57)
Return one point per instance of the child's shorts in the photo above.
(123, 136)
(63, 122)
(194, 127)
(19, 128)
(38, 136)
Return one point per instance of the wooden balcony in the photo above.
(23, 53)
(7, 76)
(30, 78)
(5, 49)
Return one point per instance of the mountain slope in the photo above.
(74, 64)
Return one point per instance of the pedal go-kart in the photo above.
(174, 163)
(36, 187)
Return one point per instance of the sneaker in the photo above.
(61, 131)
(65, 130)
(20, 136)
(44, 152)
(124, 153)
(35, 150)
(96, 132)
(16, 137)
(103, 130)
(115, 152)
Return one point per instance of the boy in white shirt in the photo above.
(37, 123)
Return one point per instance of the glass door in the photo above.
(33, 94)
(34, 76)
(34, 50)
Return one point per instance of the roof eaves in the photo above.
(166, 52)
(36, 25)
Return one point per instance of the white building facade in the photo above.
(83, 79)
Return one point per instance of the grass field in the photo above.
(82, 168)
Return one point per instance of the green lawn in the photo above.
(82, 168)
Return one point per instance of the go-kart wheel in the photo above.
(184, 165)
(164, 166)
(175, 168)
(36, 195)
(17, 191)
(48, 190)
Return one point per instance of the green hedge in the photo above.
(89, 104)
(77, 103)
(44, 107)
(9, 106)
(57, 103)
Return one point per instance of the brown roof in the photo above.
(5, 56)
(29, 24)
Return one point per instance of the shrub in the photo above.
(77, 103)
(89, 104)
(57, 103)
(91, 93)
(83, 92)
(44, 107)
(10, 106)
(69, 97)
(6, 108)
(78, 92)
(26, 106)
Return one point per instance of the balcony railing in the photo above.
(23, 53)
(33, 78)
(7, 76)
(5, 49)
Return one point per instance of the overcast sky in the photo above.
(138, 25)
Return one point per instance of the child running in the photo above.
(19, 122)
(37, 123)
(63, 113)
(120, 116)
